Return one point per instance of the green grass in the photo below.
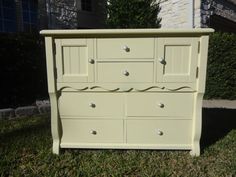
(25, 150)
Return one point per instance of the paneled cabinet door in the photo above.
(74, 60)
(177, 59)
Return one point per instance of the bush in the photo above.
(132, 14)
(221, 70)
(22, 69)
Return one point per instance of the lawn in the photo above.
(25, 150)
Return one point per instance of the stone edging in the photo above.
(41, 107)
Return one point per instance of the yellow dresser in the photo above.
(126, 88)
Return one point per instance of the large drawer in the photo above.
(125, 72)
(92, 131)
(130, 48)
(168, 132)
(91, 104)
(160, 104)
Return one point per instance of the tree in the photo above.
(64, 13)
(133, 14)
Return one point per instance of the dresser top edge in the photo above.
(97, 32)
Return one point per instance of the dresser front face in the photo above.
(127, 92)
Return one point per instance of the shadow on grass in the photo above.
(216, 123)
(26, 130)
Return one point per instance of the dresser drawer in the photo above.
(91, 104)
(160, 104)
(125, 72)
(130, 48)
(92, 131)
(168, 132)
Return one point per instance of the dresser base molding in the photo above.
(126, 146)
(129, 147)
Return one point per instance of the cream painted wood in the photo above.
(177, 59)
(77, 104)
(126, 88)
(160, 104)
(92, 131)
(129, 48)
(124, 72)
(55, 123)
(159, 132)
(197, 114)
(75, 60)
(126, 146)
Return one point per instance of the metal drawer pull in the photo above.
(126, 73)
(93, 132)
(91, 61)
(92, 105)
(161, 105)
(162, 61)
(126, 48)
(159, 132)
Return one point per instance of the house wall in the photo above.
(175, 14)
(69, 14)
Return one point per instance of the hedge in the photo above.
(132, 14)
(221, 70)
(22, 69)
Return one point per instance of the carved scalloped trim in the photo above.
(128, 90)
(69, 87)
(109, 90)
(162, 88)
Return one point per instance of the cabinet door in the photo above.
(177, 59)
(72, 60)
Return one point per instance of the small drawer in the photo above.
(130, 48)
(77, 104)
(160, 104)
(163, 132)
(92, 131)
(125, 72)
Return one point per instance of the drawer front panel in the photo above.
(160, 104)
(125, 72)
(130, 48)
(91, 104)
(92, 131)
(169, 132)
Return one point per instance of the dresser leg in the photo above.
(56, 147)
(195, 150)
(197, 124)
(55, 128)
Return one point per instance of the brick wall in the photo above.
(176, 14)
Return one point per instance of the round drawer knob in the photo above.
(92, 105)
(159, 132)
(126, 48)
(91, 61)
(161, 105)
(93, 132)
(162, 61)
(126, 73)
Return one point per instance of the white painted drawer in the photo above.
(160, 104)
(125, 72)
(91, 104)
(168, 132)
(130, 48)
(92, 131)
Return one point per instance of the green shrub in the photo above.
(22, 69)
(133, 14)
(221, 70)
